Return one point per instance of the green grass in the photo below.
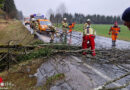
(51, 80)
(37, 42)
(102, 30)
(16, 32)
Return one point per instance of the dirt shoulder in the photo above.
(15, 32)
(19, 74)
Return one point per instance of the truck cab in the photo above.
(44, 25)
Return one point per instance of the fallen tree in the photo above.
(40, 45)
(103, 87)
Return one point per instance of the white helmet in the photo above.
(88, 20)
(65, 19)
(33, 19)
(49, 25)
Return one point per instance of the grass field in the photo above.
(102, 30)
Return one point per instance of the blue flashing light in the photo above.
(34, 15)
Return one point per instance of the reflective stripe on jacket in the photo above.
(88, 30)
(114, 30)
(64, 24)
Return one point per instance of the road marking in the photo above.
(96, 71)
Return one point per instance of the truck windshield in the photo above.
(45, 23)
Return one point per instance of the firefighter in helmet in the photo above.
(34, 26)
(114, 31)
(64, 25)
(64, 28)
(53, 32)
(88, 37)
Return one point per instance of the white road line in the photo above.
(96, 71)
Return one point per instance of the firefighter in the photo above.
(53, 32)
(34, 26)
(70, 29)
(32, 23)
(88, 38)
(64, 25)
(115, 31)
(126, 17)
(71, 26)
(64, 28)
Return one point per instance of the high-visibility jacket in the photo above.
(114, 30)
(70, 28)
(73, 24)
(88, 30)
(64, 24)
(53, 28)
(36, 25)
(85, 25)
(53, 31)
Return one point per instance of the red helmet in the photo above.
(116, 24)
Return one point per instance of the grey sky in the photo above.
(103, 7)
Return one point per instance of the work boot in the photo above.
(84, 53)
(93, 53)
(113, 43)
(51, 41)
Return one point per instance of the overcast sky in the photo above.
(102, 7)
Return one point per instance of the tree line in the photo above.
(1, 3)
(8, 6)
(81, 18)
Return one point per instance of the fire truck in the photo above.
(43, 23)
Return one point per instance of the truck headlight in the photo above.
(42, 27)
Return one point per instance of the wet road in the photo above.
(84, 70)
(80, 73)
(76, 39)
